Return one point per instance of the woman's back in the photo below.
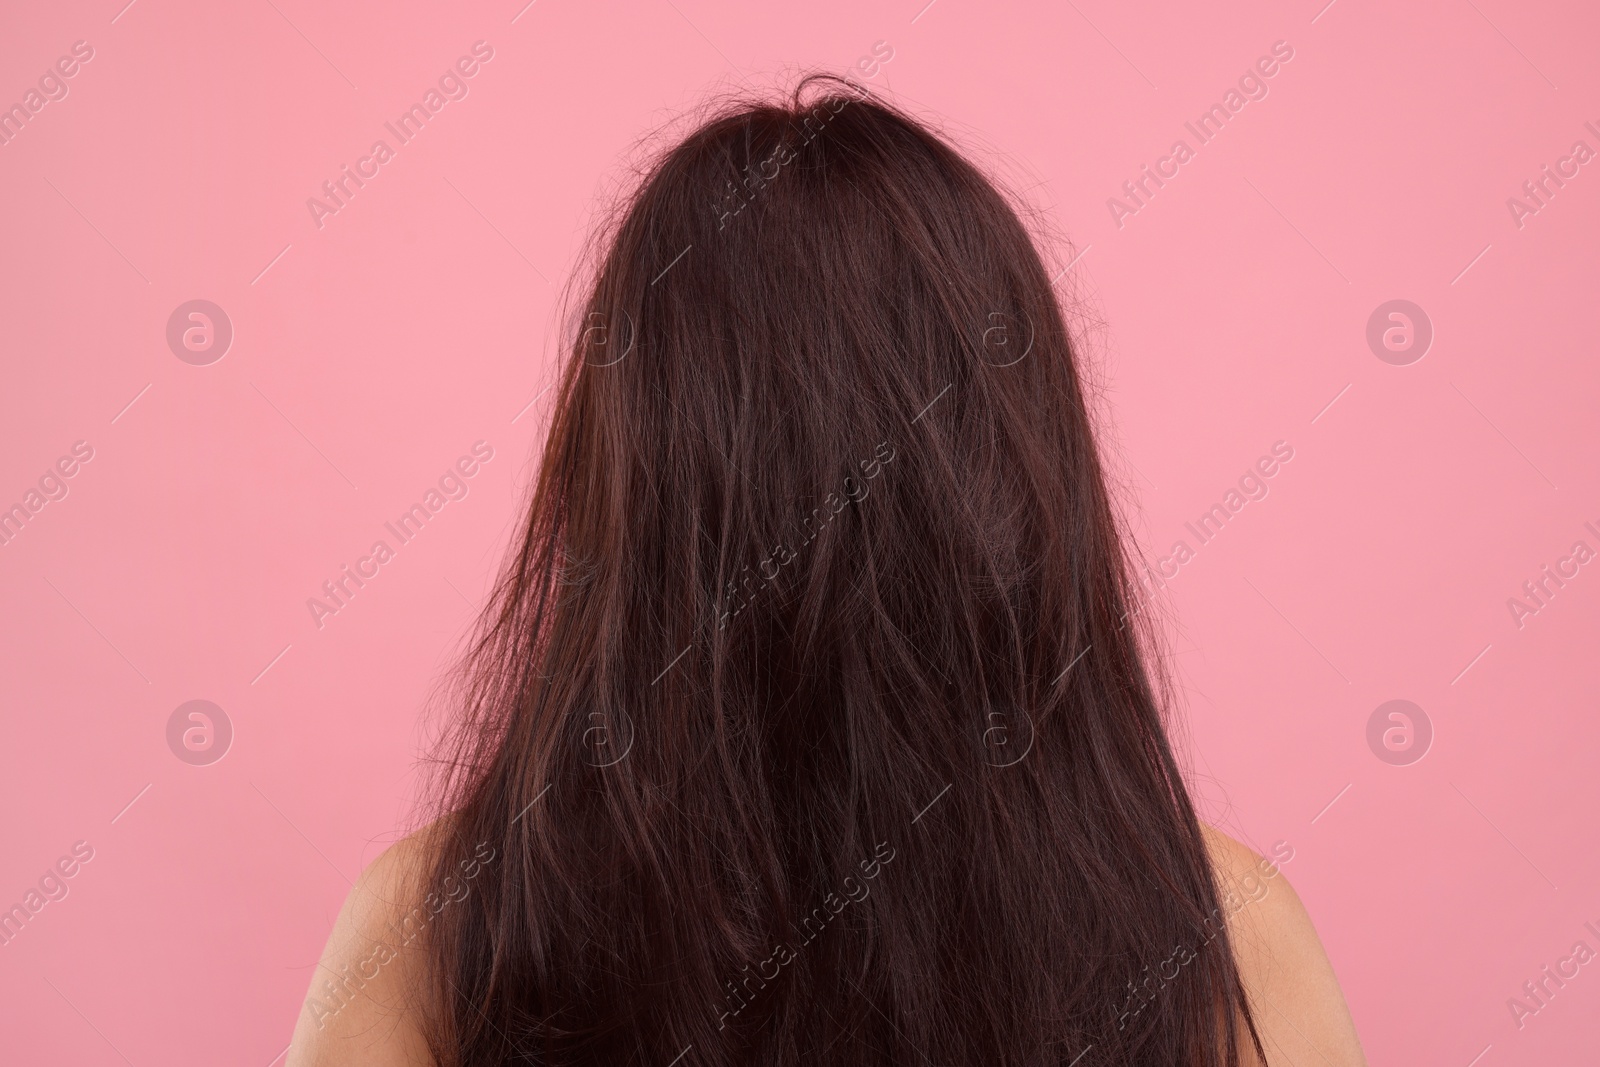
(374, 1011)
(814, 719)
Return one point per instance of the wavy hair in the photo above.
(811, 719)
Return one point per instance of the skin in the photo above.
(1300, 1011)
(377, 1025)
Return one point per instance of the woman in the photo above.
(814, 720)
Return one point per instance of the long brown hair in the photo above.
(810, 721)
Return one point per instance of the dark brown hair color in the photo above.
(811, 720)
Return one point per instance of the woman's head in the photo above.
(810, 717)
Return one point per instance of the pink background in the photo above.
(370, 353)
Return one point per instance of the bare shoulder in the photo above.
(1299, 1008)
(1294, 994)
(362, 1004)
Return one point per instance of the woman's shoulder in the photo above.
(365, 996)
(1299, 1009)
(366, 990)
